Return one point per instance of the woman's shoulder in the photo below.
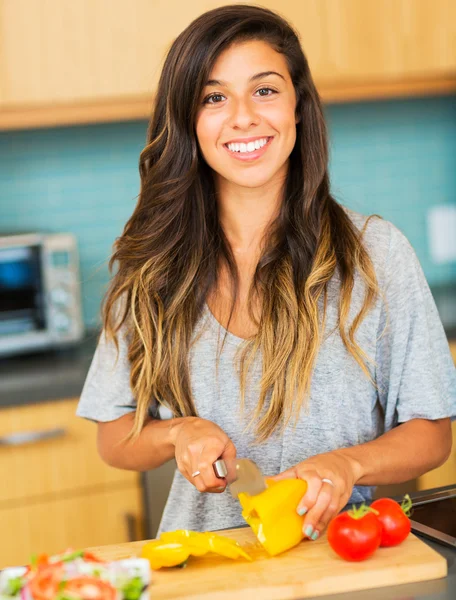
(381, 237)
(376, 230)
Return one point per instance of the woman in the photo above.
(268, 320)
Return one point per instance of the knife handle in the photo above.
(220, 469)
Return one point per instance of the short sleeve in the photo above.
(107, 394)
(415, 372)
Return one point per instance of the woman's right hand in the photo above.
(198, 443)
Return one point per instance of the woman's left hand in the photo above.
(323, 501)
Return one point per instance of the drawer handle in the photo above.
(29, 437)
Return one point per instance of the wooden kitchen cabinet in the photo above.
(99, 60)
(64, 51)
(56, 491)
(76, 521)
(64, 462)
(389, 40)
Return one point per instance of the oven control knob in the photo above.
(61, 322)
(60, 296)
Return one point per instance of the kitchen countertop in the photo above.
(44, 376)
(435, 589)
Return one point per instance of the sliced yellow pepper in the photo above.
(272, 514)
(174, 547)
(160, 554)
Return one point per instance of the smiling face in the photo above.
(249, 97)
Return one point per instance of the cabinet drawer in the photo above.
(51, 527)
(46, 449)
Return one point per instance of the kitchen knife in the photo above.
(242, 475)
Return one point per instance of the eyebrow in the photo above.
(216, 82)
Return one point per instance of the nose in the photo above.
(244, 114)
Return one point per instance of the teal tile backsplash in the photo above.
(396, 158)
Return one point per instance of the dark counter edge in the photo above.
(46, 376)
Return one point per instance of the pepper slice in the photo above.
(206, 542)
(174, 547)
(272, 514)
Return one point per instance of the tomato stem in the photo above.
(362, 511)
(406, 505)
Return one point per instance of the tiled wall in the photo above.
(395, 158)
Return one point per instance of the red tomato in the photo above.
(91, 557)
(90, 588)
(44, 584)
(355, 534)
(395, 523)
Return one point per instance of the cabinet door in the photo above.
(46, 449)
(61, 51)
(58, 51)
(390, 39)
(79, 521)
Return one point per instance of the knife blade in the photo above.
(242, 475)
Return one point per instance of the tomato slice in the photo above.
(44, 584)
(90, 588)
(91, 557)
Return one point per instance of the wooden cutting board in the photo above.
(307, 570)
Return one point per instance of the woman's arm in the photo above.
(403, 453)
(195, 443)
(153, 447)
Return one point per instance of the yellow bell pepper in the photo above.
(272, 514)
(174, 547)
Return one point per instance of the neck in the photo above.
(245, 213)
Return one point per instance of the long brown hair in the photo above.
(171, 248)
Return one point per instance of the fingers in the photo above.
(203, 477)
(198, 444)
(330, 479)
(334, 508)
(229, 456)
(207, 480)
(321, 503)
(314, 485)
(324, 509)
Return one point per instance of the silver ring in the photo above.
(328, 481)
(196, 473)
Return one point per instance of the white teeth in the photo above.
(250, 147)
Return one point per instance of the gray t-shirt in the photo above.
(414, 372)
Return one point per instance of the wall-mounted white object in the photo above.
(442, 233)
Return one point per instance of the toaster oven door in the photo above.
(22, 294)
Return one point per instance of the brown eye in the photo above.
(206, 100)
(267, 89)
